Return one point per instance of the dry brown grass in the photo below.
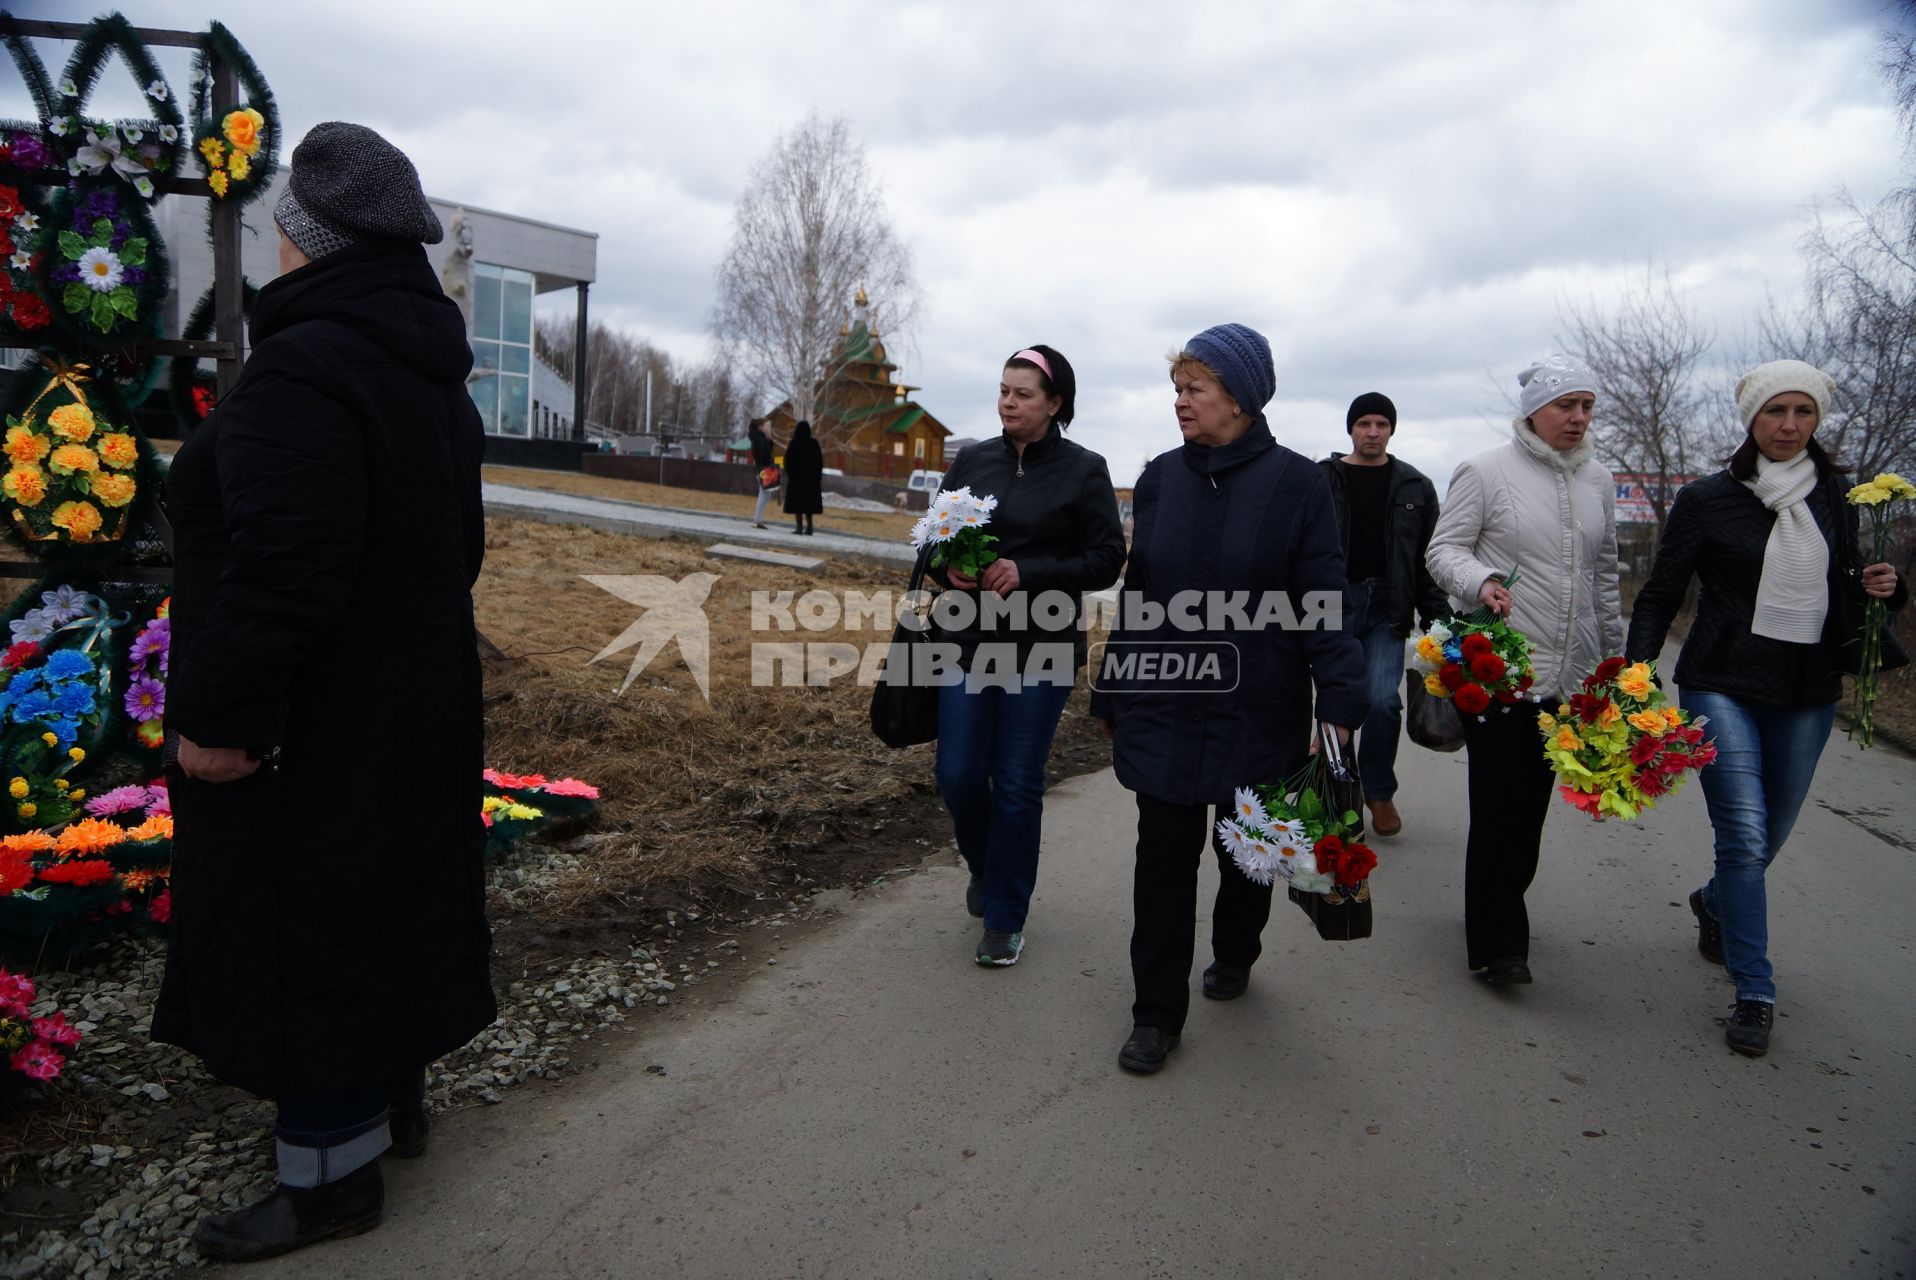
(695, 792)
(869, 524)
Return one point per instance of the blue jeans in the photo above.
(1384, 667)
(992, 747)
(1765, 758)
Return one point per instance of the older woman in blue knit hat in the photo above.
(1229, 516)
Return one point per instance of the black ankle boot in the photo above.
(407, 1119)
(1709, 933)
(1749, 1029)
(294, 1217)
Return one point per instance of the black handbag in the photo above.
(1849, 605)
(1338, 918)
(905, 714)
(1431, 722)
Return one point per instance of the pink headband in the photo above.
(1037, 358)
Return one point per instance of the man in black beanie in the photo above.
(1386, 510)
(332, 497)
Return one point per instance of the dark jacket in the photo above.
(1717, 531)
(1410, 592)
(1057, 518)
(761, 447)
(1247, 517)
(328, 924)
(804, 475)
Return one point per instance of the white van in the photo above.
(925, 481)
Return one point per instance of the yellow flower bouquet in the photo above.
(1874, 496)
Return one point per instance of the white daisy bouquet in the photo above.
(955, 530)
(1289, 832)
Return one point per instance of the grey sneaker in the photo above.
(996, 947)
(975, 897)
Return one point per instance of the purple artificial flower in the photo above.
(154, 639)
(134, 276)
(117, 801)
(145, 698)
(29, 152)
(67, 272)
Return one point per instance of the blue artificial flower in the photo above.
(68, 664)
(25, 682)
(1454, 650)
(75, 699)
(63, 730)
(36, 705)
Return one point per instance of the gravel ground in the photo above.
(173, 1147)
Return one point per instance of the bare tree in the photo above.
(810, 229)
(1649, 353)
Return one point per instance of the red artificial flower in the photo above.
(1487, 667)
(1645, 749)
(80, 871)
(55, 1031)
(19, 655)
(1524, 681)
(30, 311)
(161, 908)
(1690, 734)
(1588, 706)
(1607, 670)
(16, 994)
(1359, 862)
(37, 1060)
(1651, 783)
(1505, 696)
(1583, 801)
(1452, 676)
(10, 206)
(6, 244)
(1331, 844)
(1475, 643)
(204, 398)
(1473, 700)
(16, 869)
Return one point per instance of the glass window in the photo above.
(485, 355)
(485, 394)
(918, 448)
(517, 291)
(485, 301)
(515, 405)
(514, 358)
(502, 347)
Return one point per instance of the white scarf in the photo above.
(1793, 595)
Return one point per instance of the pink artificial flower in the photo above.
(158, 801)
(514, 781)
(118, 800)
(16, 994)
(37, 1060)
(161, 908)
(570, 787)
(1587, 801)
(56, 1030)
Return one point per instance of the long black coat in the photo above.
(804, 476)
(1248, 517)
(1717, 532)
(328, 920)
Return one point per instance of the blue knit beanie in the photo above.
(1241, 359)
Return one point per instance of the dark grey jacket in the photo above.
(1410, 592)
(1253, 517)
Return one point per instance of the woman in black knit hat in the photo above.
(328, 937)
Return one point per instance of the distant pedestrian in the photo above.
(1231, 514)
(1057, 528)
(317, 965)
(1386, 512)
(1766, 538)
(764, 474)
(1544, 506)
(804, 478)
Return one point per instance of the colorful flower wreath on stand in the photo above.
(92, 878)
(28, 153)
(238, 149)
(74, 471)
(127, 154)
(105, 270)
(516, 805)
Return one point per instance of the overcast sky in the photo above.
(1398, 195)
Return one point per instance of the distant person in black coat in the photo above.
(328, 937)
(1230, 519)
(804, 478)
(1767, 539)
(761, 466)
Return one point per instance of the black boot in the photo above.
(1749, 1029)
(1709, 933)
(408, 1116)
(294, 1217)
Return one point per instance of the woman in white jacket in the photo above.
(1541, 505)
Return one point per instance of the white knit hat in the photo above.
(1552, 378)
(1767, 381)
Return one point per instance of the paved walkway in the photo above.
(877, 1106)
(618, 516)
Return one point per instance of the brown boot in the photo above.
(1384, 819)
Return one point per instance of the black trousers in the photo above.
(1510, 788)
(1171, 840)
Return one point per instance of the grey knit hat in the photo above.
(349, 184)
(1241, 358)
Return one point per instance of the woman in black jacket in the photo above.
(1236, 537)
(804, 478)
(1768, 539)
(1016, 625)
(328, 937)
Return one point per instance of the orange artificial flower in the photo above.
(160, 824)
(25, 445)
(28, 842)
(242, 129)
(80, 519)
(114, 490)
(118, 449)
(1648, 721)
(1634, 680)
(72, 422)
(90, 835)
(26, 485)
(69, 458)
